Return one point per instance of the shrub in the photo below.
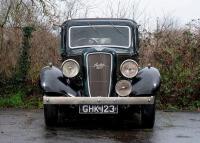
(176, 53)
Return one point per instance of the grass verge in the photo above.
(20, 100)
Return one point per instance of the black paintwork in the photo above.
(53, 81)
(66, 51)
(146, 83)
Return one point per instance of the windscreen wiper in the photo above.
(118, 30)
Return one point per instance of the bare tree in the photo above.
(15, 14)
(69, 9)
(20, 10)
(123, 9)
(19, 13)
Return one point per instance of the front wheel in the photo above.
(148, 116)
(50, 114)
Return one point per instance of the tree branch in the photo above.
(7, 15)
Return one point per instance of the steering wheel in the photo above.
(86, 41)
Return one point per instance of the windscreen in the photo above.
(99, 35)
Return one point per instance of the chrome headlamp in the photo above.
(123, 88)
(129, 68)
(70, 68)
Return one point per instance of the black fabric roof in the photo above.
(100, 21)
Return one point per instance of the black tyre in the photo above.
(148, 116)
(50, 115)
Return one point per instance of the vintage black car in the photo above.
(99, 72)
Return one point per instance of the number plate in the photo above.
(98, 109)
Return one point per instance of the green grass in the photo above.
(12, 101)
(19, 100)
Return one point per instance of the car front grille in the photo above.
(99, 72)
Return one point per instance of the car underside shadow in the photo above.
(108, 122)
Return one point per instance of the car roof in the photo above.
(100, 21)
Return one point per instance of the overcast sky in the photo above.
(184, 10)
(181, 10)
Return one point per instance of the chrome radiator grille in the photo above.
(99, 72)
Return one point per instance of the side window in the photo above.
(137, 39)
(63, 37)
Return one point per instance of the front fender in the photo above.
(53, 81)
(147, 82)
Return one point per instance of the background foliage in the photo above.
(176, 52)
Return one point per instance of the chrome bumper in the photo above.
(99, 100)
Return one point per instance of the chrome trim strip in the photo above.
(99, 100)
(110, 70)
(69, 41)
